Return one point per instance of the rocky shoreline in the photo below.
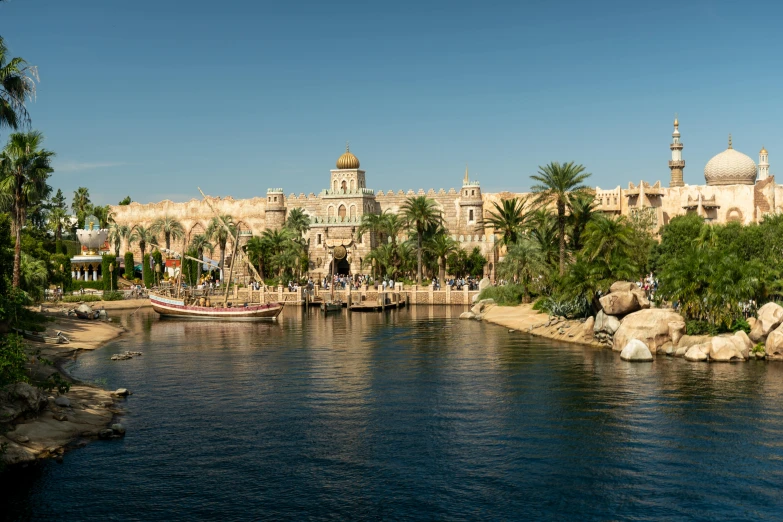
(38, 425)
(627, 324)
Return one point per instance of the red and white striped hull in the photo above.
(171, 307)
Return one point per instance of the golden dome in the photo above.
(763, 150)
(347, 160)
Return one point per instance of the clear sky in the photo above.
(152, 98)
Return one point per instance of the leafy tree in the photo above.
(125, 201)
(109, 276)
(217, 233)
(147, 275)
(143, 236)
(81, 204)
(382, 260)
(582, 207)
(200, 243)
(509, 219)
(607, 238)
(441, 246)
(17, 84)
(24, 171)
(543, 230)
(61, 272)
(298, 221)
(556, 185)
(420, 212)
(129, 275)
(170, 228)
(523, 264)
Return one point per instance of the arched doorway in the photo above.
(343, 267)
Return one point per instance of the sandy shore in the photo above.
(55, 428)
(125, 304)
(524, 319)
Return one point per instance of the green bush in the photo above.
(190, 269)
(81, 298)
(12, 360)
(113, 296)
(146, 273)
(61, 272)
(129, 266)
(696, 327)
(109, 276)
(508, 295)
(88, 285)
(563, 307)
(72, 248)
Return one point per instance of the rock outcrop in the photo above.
(651, 326)
(619, 303)
(694, 353)
(726, 349)
(769, 317)
(774, 345)
(20, 400)
(636, 351)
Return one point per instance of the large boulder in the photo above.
(587, 329)
(636, 351)
(619, 303)
(482, 306)
(769, 317)
(746, 345)
(622, 286)
(694, 353)
(484, 283)
(676, 331)
(19, 400)
(651, 326)
(774, 344)
(605, 323)
(726, 349)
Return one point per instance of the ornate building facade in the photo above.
(735, 190)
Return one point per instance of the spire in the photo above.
(730, 141)
(347, 146)
(467, 179)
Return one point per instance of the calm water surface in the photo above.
(411, 415)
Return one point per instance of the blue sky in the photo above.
(152, 98)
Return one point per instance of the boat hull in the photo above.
(171, 308)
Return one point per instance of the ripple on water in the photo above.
(412, 415)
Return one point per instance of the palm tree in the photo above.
(543, 230)
(277, 243)
(419, 213)
(200, 243)
(17, 84)
(298, 221)
(508, 218)
(33, 276)
(582, 209)
(57, 220)
(143, 236)
(170, 227)
(372, 223)
(382, 260)
(441, 246)
(555, 185)
(81, 202)
(24, 171)
(217, 232)
(257, 253)
(523, 263)
(116, 234)
(608, 239)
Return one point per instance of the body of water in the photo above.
(411, 415)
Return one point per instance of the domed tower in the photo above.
(347, 178)
(763, 164)
(275, 208)
(677, 164)
(730, 167)
(471, 204)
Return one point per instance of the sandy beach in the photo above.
(524, 319)
(88, 409)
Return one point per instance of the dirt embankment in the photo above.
(524, 319)
(45, 425)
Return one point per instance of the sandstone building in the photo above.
(735, 190)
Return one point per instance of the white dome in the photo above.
(730, 167)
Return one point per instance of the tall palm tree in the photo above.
(143, 236)
(257, 253)
(382, 260)
(217, 232)
(555, 183)
(278, 244)
(116, 234)
(298, 221)
(391, 225)
(608, 239)
(509, 218)
(441, 246)
(582, 210)
(170, 227)
(200, 243)
(24, 171)
(543, 230)
(57, 221)
(419, 213)
(523, 263)
(372, 223)
(81, 200)
(17, 84)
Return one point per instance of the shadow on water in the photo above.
(412, 414)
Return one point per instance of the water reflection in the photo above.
(413, 414)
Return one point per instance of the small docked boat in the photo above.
(177, 308)
(331, 306)
(58, 338)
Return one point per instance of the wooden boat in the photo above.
(173, 307)
(58, 338)
(390, 300)
(331, 306)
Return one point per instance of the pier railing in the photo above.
(414, 295)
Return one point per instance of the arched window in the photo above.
(341, 210)
(344, 186)
(330, 210)
(353, 212)
(470, 215)
(335, 185)
(352, 185)
(472, 192)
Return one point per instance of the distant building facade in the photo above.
(735, 190)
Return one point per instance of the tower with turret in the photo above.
(677, 164)
(275, 209)
(471, 204)
(763, 164)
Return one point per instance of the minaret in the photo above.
(677, 164)
(763, 164)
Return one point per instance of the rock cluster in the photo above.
(125, 356)
(478, 310)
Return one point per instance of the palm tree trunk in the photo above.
(17, 247)
(442, 270)
(200, 253)
(561, 233)
(418, 255)
(222, 258)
